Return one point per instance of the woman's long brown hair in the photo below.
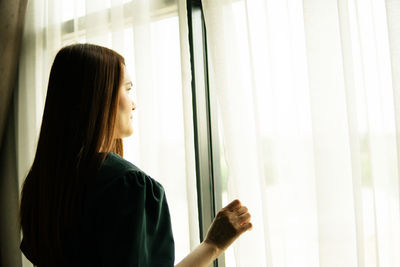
(77, 132)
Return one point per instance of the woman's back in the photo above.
(125, 220)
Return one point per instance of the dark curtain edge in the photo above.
(12, 17)
(10, 73)
(9, 198)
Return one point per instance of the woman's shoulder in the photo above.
(118, 172)
(115, 165)
(121, 188)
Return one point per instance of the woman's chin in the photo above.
(129, 133)
(125, 134)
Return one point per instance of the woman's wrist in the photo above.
(212, 249)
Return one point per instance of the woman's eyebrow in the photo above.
(129, 83)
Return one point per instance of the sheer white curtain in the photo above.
(153, 38)
(308, 107)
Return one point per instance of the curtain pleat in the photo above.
(335, 205)
(348, 50)
(393, 25)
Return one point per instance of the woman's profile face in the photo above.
(123, 127)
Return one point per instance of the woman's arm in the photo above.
(228, 225)
(202, 255)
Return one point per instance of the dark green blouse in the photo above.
(126, 220)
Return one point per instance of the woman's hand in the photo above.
(228, 225)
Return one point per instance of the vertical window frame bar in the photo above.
(206, 137)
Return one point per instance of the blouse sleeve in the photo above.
(133, 225)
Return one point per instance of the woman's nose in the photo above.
(133, 105)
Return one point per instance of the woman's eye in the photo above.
(129, 91)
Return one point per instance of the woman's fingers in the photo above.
(238, 213)
(246, 227)
(244, 218)
(234, 205)
(242, 210)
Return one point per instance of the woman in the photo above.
(82, 203)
